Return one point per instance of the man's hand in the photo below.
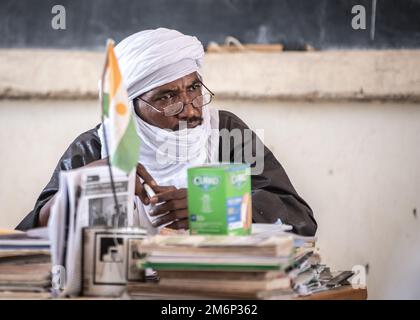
(174, 205)
(142, 174)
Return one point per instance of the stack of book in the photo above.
(232, 267)
(24, 266)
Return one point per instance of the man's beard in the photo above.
(190, 123)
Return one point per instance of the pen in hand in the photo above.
(149, 190)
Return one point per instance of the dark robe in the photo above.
(273, 196)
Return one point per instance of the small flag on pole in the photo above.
(123, 141)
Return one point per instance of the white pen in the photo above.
(149, 190)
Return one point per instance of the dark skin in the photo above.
(173, 201)
(184, 89)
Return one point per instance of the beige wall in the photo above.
(357, 164)
(358, 167)
(33, 136)
(384, 74)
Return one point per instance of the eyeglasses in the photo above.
(175, 108)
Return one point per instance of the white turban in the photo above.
(151, 58)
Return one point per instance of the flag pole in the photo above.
(101, 101)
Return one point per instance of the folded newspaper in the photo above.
(85, 198)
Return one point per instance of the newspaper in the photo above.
(85, 198)
(98, 201)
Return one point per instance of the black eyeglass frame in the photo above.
(184, 104)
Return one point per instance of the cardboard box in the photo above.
(219, 199)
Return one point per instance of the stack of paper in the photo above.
(269, 264)
(248, 267)
(24, 266)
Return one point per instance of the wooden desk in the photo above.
(341, 293)
(150, 292)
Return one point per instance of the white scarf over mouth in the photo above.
(167, 154)
(149, 59)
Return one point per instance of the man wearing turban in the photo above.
(161, 71)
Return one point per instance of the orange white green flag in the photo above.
(123, 141)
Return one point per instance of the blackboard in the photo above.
(322, 24)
